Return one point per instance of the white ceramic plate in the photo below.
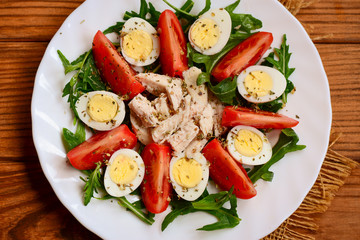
(276, 200)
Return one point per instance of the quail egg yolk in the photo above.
(258, 84)
(102, 108)
(123, 170)
(187, 172)
(205, 33)
(248, 143)
(137, 45)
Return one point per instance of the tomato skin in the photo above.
(100, 147)
(172, 45)
(244, 55)
(233, 116)
(113, 68)
(156, 186)
(226, 172)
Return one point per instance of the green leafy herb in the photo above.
(213, 201)
(242, 22)
(287, 143)
(114, 28)
(225, 90)
(86, 79)
(93, 183)
(147, 12)
(71, 140)
(206, 8)
(135, 207)
(279, 59)
(137, 210)
(212, 204)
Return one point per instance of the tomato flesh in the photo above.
(226, 172)
(114, 69)
(100, 147)
(244, 55)
(156, 186)
(233, 116)
(172, 45)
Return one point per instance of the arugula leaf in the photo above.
(242, 22)
(206, 8)
(92, 183)
(92, 75)
(279, 59)
(114, 28)
(183, 209)
(287, 143)
(87, 77)
(232, 6)
(212, 204)
(135, 207)
(69, 67)
(72, 140)
(183, 12)
(213, 201)
(145, 217)
(145, 8)
(225, 90)
(245, 22)
(227, 218)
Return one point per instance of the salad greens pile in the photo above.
(87, 78)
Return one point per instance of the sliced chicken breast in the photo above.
(157, 84)
(183, 136)
(142, 133)
(141, 106)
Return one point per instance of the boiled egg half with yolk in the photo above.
(140, 44)
(248, 145)
(211, 31)
(124, 172)
(260, 84)
(101, 110)
(189, 176)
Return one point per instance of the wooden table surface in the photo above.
(29, 207)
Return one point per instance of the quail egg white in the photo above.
(101, 110)
(124, 172)
(140, 44)
(260, 84)
(211, 31)
(248, 145)
(189, 176)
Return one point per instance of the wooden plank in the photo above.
(34, 20)
(341, 63)
(332, 21)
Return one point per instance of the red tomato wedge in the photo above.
(100, 147)
(226, 172)
(113, 68)
(156, 186)
(172, 45)
(244, 55)
(233, 116)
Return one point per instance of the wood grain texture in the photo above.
(28, 206)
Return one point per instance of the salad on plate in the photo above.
(179, 109)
